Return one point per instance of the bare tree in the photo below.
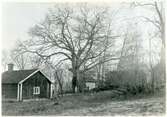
(151, 65)
(5, 59)
(72, 34)
(19, 60)
(59, 78)
(158, 21)
(24, 60)
(130, 66)
(130, 49)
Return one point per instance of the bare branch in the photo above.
(94, 64)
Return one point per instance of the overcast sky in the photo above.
(17, 18)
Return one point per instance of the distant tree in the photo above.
(131, 49)
(24, 60)
(5, 59)
(58, 76)
(158, 21)
(131, 67)
(11, 56)
(19, 60)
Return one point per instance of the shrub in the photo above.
(133, 81)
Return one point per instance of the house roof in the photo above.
(16, 76)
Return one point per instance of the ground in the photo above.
(101, 103)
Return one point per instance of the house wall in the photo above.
(36, 80)
(9, 91)
(90, 85)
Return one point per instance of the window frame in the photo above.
(36, 90)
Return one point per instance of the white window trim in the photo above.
(36, 90)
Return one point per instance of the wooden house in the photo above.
(25, 84)
(90, 83)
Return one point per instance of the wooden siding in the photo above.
(9, 91)
(36, 80)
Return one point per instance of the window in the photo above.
(36, 90)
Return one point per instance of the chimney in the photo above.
(10, 66)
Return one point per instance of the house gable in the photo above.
(31, 75)
(36, 80)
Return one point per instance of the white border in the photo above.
(49, 1)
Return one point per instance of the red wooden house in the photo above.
(25, 84)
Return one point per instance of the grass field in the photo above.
(102, 103)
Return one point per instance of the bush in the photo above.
(105, 87)
(132, 80)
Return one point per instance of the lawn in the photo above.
(102, 103)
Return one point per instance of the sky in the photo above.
(18, 18)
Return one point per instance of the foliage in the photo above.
(127, 80)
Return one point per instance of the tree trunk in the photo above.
(60, 84)
(153, 80)
(163, 61)
(163, 46)
(77, 82)
(61, 89)
(74, 82)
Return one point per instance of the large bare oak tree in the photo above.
(72, 34)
